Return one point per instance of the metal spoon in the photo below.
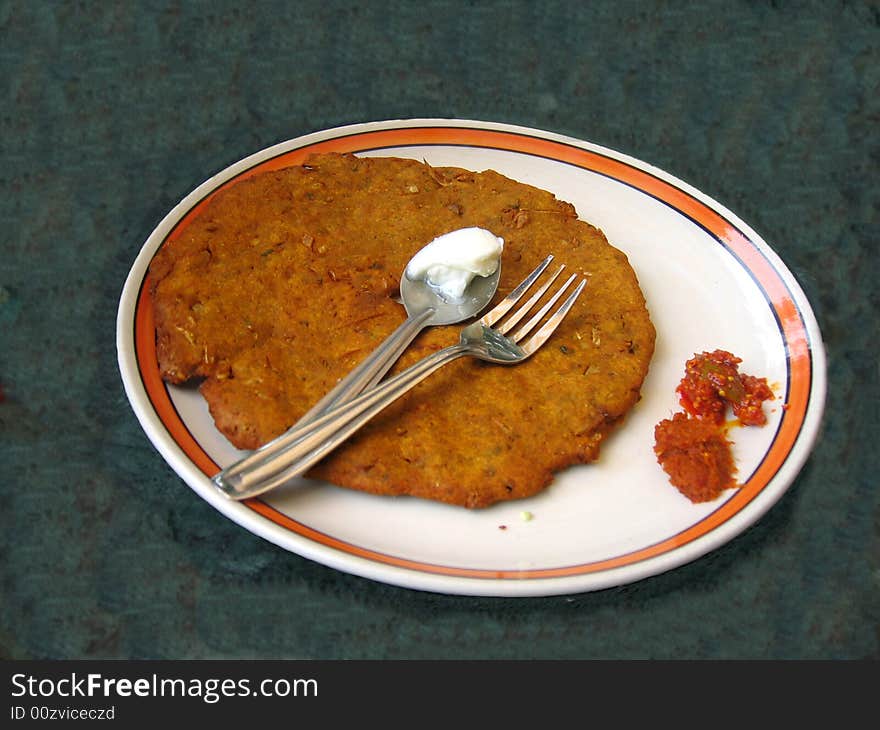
(425, 307)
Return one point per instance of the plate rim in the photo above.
(262, 526)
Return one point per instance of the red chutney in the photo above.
(696, 455)
(712, 381)
(692, 447)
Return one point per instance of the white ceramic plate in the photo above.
(710, 282)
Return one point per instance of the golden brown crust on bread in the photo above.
(284, 282)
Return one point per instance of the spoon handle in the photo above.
(259, 465)
(370, 371)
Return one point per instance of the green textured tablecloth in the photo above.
(112, 112)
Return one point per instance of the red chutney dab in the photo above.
(696, 455)
(712, 381)
(692, 447)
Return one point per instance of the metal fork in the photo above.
(307, 444)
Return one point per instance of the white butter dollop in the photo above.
(449, 262)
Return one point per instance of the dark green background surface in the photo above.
(112, 112)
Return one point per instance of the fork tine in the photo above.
(530, 325)
(543, 334)
(503, 307)
(516, 316)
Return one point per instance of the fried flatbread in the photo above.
(286, 280)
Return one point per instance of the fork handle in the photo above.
(262, 463)
(311, 442)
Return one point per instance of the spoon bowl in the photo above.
(417, 297)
